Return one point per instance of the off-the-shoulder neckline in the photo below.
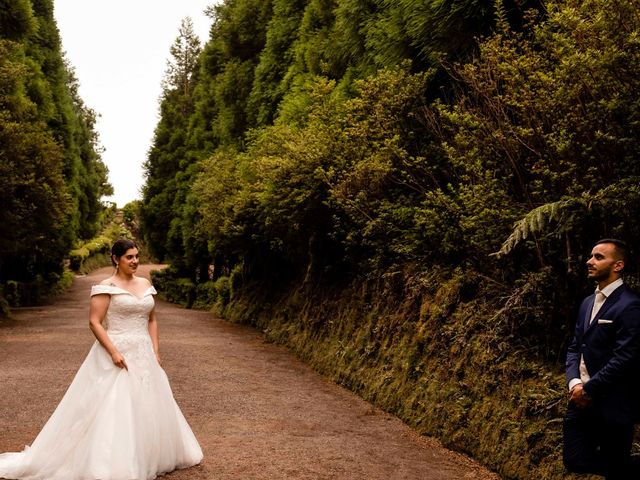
(127, 291)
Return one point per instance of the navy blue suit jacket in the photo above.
(611, 349)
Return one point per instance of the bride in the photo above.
(118, 420)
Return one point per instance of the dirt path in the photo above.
(258, 412)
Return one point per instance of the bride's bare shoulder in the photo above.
(143, 281)
(107, 281)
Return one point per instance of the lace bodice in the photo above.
(127, 324)
(126, 313)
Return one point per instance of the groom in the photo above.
(603, 370)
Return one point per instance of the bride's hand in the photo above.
(118, 360)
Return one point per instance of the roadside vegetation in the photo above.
(404, 194)
(51, 173)
(401, 192)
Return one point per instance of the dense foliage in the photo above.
(51, 175)
(446, 165)
(96, 252)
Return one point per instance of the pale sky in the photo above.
(120, 49)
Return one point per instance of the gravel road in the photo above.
(258, 412)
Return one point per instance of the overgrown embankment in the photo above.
(448, 352)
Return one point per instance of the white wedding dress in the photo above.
(112, 423)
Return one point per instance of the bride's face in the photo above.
(128, 263)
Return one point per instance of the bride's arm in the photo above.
(153, 333)
(97, 310)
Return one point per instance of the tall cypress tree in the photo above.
(51, 173)
(168, 154)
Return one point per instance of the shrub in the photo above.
(206, 295)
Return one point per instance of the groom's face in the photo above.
(604, 263)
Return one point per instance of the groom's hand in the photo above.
(579, 397)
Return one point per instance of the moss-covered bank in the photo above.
(437, 362)
(444, 352)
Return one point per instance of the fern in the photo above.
(563, 212)
(536, 222)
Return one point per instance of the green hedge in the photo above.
(95, 253)
(186, 293)
(22, 294)
(78, 256)
(177, 290)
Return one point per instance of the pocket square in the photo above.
(604, 321)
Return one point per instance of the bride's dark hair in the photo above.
(120, 248)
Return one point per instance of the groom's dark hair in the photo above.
(622, 250)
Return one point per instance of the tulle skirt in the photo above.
(112, 424)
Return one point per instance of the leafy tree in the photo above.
(32, 191)
(163, 194)
(92, 176)
(451, 27)
(238, 37)
(276, 57)
(184, 60)
(16, 19)
(52, 175)
(551, 118)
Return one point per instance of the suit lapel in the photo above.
(587, 313)
(608, 303)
